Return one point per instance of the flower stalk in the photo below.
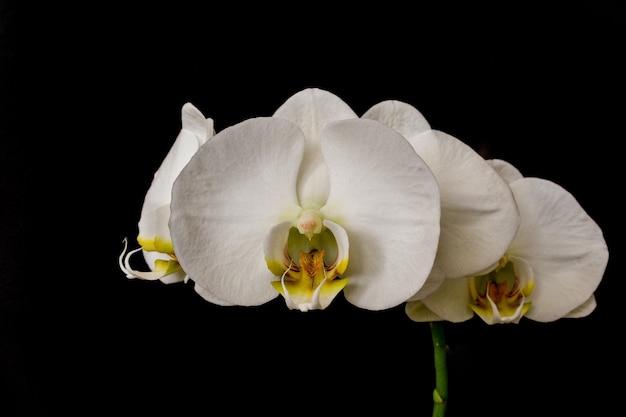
(440, 394)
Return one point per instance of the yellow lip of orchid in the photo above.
(310, 267)
(501, 295)
(312, 286)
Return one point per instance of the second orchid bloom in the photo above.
(550, 270)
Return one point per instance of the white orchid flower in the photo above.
(278, 205)
(153, 231)
(479, 216)
(550, 271)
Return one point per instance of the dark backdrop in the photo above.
(90, 99)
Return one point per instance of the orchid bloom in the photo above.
(279, 205)
(154, 235)
(479, 216)
(550, 271)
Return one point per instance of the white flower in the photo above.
(280, 204)
(154, 235)
(550, 271)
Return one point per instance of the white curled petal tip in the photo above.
(194, 121)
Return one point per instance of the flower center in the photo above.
(500, 296)
(313, 263)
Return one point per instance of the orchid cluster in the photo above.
(316, 200)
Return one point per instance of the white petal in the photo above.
(435, 279)
(387, 200)
(343, 247)
(506, 170)
(451, 300)
(523, 270)
(312, 109)
(417, 311)
(237, 187)
(274, 248)
(479, 217)
(563, 245)
(400, 116)
(207, 296)
(584, 309)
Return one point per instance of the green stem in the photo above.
(440, 394)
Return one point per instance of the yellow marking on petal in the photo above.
(485, 313)
(330, 289)
(156, 244)
(276, 267)
(166, 267)
(528, 288)
(278, 286)
(341, 266)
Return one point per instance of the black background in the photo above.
(90, 99)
